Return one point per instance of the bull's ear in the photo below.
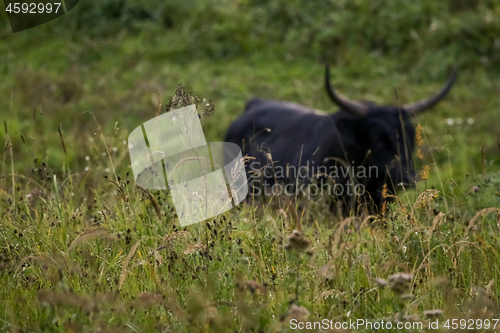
(428, 103)
(354, 107)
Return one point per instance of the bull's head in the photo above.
(385, 135)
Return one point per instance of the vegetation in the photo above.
(83, 249)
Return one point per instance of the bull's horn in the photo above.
(353, 107)
(425, 104)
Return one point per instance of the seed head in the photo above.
(297, 241)
(400, 282)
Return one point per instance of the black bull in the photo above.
(362, 143)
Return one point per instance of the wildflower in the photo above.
(433, 313)
(256, 286)
(450, 121)
(296, 241)
(298, 312)
(407, 296)
(411, 318)
(400, 282)
(470, 121)
(33, 195)
(381, 282)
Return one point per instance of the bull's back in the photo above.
(282, 129)
(267, 118)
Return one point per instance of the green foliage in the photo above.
(465, 31)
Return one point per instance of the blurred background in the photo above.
(116, 59)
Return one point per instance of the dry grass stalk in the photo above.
(85, 302)
(341, 229)
(425, 198)
(153, 201)
(149, 299)
(488, 288)
(254, 286)
(478, 215)
(332, 293)
(170, 239)
(40, 260)
(90, 233)
(408, 233)
(120, 189)
(62, 140)
(125, 264)
(438, 219)
(192, 248)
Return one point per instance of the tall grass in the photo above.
(91, 254)
(465, 31)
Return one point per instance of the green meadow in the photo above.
(82, 249)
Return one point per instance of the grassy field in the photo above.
(84, 250)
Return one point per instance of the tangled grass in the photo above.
(83, 252)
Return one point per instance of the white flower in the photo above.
(115, 149)
(404, 249)
(87, 168)
(470, 121)
(106, 170)
(87, 158)
(450, 121)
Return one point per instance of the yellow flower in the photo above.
(424, 174)
(418, 135)
(419, 154)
